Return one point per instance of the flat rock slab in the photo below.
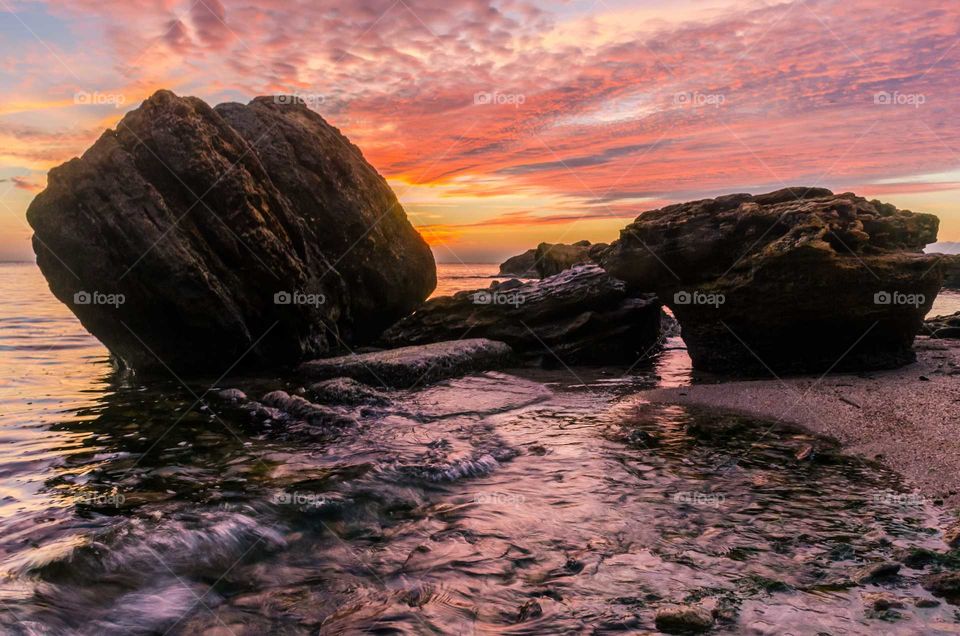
(408, 367)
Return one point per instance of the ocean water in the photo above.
(520, 502)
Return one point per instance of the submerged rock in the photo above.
(407, 367)
(521, 265)
(943, 584)
(347, 391)
(581, 316)
(683, 619)
(196, 237)
(798, 280)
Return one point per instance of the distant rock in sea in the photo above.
(199, 238)
(951, 270)
(580, 316)
(521, 265)
(553, 258)
(548, 259)
(798, 280)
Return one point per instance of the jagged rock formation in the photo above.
(798, 280)
(237, 234)
(580, 316)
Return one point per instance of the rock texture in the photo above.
(951, 270)
(200, 216)
(521, 265)
(580, 316)
(408, 367)
(943, 326)
(552, 259)
(794, 281)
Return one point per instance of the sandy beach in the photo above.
(907, 418)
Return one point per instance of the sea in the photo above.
(525, 501)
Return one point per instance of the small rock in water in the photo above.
(943, 584)
(877, 572)
(683, 619)
(643, 438)
(347, 391)
(232, 395)
(530, 609)
(952, 535)
(881, 601)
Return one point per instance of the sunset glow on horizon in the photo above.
(504, 123)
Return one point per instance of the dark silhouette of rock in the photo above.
(553, 258)
(950, 264)
(407, 367)
(521, 265)
(237, 234)
(943, 326)
(581, 316)
(798, 280)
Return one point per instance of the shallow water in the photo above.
(520, 502)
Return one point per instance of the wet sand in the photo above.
(908, 419)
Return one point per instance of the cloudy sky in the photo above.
(502, 123)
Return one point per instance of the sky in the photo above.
(504, 123)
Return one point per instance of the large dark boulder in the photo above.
(580, 316)
(798, 280)
(255, 234)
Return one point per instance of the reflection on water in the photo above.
(521, 502)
